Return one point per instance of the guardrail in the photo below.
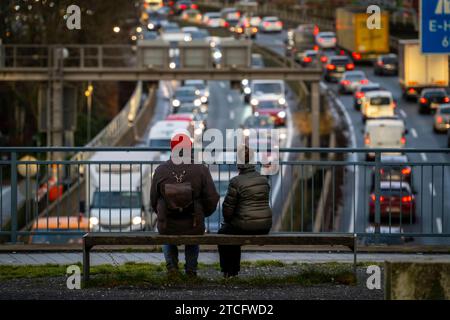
(380, 199)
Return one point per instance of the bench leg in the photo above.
(86, 263)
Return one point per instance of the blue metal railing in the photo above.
(315, 190)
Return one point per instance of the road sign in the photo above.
(435, 26)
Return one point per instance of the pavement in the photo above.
(118, 258)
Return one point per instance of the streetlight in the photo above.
(88, 93)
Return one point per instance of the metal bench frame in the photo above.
(151, 238)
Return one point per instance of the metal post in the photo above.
(13, 197)
(377, 192)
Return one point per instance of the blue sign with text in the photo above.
(435, 26)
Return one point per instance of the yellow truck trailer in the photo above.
(355, 37)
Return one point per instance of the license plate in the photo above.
(340, 69)
(394, 209)
(434, 105)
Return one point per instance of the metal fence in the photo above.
(315, 190)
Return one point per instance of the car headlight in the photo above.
(198, 131)
(187, 38)
(212, 44)
(197, 103)
(281, 114)
(254, 102)
(246, 132)
(172, 65)
(151, 26)
(244, 82)
(204, 99)
(283, 136)
(217, 55)
(282, 101)
(201, 125)
(247, 90)
(93, 221)
(176, 103)
(137, 220)
(203, 109)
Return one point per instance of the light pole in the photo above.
(88, 93)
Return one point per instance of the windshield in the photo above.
(340, 62)
(354, 77)
(159, 143)
(435, 94)
(389, 60)
(258, 122)
(268, 104)
(186, 109)
(445, 111)
(185, 93)
(379, 101)
(367, 89)
(116, 199)
(274, 88)
(394, 191)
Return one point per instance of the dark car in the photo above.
(386, 65)
(308, 58)
(361, 91)
(183, 5)
(397, 202)
(186, 94)
(258, 121)
(336, 67)
(394, 168)
(430, 99)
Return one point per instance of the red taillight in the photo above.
(364, 81)
(359, 95)
(380, 63)
(316, 30)
(350, 66)
(406, 171)
(320, 40)
(423, 100)
(307, 59)
(316, 48)
(345, 82)
(406, 199)
(279, 24)
(226, 24)
(331, 66)
(324, 59)
(411, 90)
(374, 198)
(342, 53)
(403, 140)
(367, 139)
(446, 99)
(183, 6)
(356, 55)
(266, 24)
(381, 171)
(439, 119)
(194, 6)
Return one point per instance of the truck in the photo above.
(418, 71)
(300, 39)
(118, 194)
(354, 36)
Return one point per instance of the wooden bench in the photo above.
(150, 238)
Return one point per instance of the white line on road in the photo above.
(232, 115)
(403, 113)
(432, 189)
(424, 156)
(439, 224)
(414, 133)
(222, 84)
(230, 98)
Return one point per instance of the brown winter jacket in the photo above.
(204, 194)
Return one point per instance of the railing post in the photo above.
(13, 197)
(377, 191)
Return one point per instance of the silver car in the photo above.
(442, 118)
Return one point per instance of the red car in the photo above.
(397, 201)
(276, 109)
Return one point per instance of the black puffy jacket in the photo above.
(246, 205)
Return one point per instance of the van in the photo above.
(378, 104)
(384, 133)
(161, 133)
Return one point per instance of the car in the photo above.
(192, 16)
(308, 58)
(185, 94)
(397, 202)
(430, 99)
(267, 90)
(169, 27)
(69, 225)
(154, 21)
(394, 167)
(442, 118)
(383, 237)
(211, 19)
(361, 90)
(229, 18)
(183, 5)
(350, 80)
(386, 64)
(336, 66)
(389, 132)
(271, 24)
(271, 107)
(203, 88)
(161, 133)
(326, 40)
(257, 61)
(378, 104)
(245, 29)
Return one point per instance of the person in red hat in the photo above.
(182, 195)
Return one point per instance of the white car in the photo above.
(326, 40)
(271, 24)
(268, 90)
(351, 80)
(212, 19)
(161, 133)
(377, 104)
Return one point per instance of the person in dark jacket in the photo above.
(245, 210)
(189, 221)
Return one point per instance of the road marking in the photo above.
(439, 224)
(222, 84)
(232, 115)
(432, 190)
(230, 98)
(414, 133)
(424, 156)
(403, 113)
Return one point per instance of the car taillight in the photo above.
(367, 139)
(183, 6)
(423, 100)
(406, 171)
(381, 171)
(331, 66)
(359, 95)
(194, 6)
(279, 24)
(356, 55)
(226, 24)
(403, 140)
(345, 82)
(446, 99)
(316, 30)
(364, 81)
(307, 59)
(394, 104)
(342, 53)
(324, 59)
(439, 119)
(266, 24)
(374, 198)
(350, 66)
(380, 63)
(316, 48)
(411, 90)
(320, 40)
(406, 199)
